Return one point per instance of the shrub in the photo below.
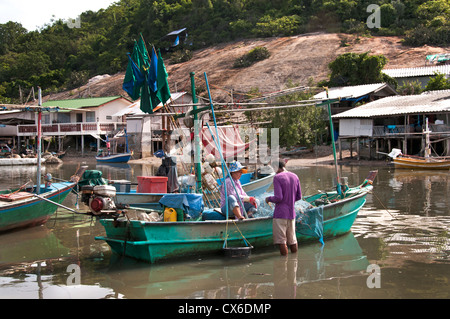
(253, 56)
(181, 56)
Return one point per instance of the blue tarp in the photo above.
(310, 223)
(192, 204)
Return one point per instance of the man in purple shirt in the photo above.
(287, 191)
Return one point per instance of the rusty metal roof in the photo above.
(427, 102)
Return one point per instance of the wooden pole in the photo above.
(197, 152)
(338, 188)
(38, 146)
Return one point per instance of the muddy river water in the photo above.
(399, 247)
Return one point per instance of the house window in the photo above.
(63, 117)
(90, 116)
(46, 119)
(108, 117)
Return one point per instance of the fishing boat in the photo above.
(114, 158)
(28, 206)
(326, 215)
(422, 163)
(20, 161)
(154, 241)
(109, 157)
(426, 162)
(33, 205)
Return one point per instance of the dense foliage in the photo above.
(356, 69)
(60, 55)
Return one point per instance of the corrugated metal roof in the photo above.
(353, 91)
(79, 103)
(428, 102)
(176, 32)
(413, 72)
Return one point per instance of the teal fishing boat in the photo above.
(25, 208)
(326, 215)
(33, 205)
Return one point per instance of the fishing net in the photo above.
(309, 219)
(92, 178)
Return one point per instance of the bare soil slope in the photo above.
(295, 59)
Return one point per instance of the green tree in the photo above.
(355, 69)
(410, 88)
(439, 82)
(9, 33)
(305, 125)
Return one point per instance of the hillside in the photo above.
(296, 58)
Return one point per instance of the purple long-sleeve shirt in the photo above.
(287, 191)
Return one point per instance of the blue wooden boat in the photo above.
(114, 158)
(156, 241)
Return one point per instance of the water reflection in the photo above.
(264, 274)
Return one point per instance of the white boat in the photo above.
(20, 161)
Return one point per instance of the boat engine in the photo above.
(99, 199)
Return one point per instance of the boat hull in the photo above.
(19, 161)
(156, 241)
(339, 216)
(32, 211)
(417, 163)
(114, 158)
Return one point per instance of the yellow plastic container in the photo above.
(170, 215)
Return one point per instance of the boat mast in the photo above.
(197, 153)
(225, 170)
(338, 188)
(126, 141)
(38, 146)
(427, 140)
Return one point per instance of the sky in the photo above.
(33, 14)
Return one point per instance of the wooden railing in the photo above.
(71, 128)
(396, 130)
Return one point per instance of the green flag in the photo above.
(133, 77)
(145, 60)
(137, 77)
(146, 100)
(163, 92)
